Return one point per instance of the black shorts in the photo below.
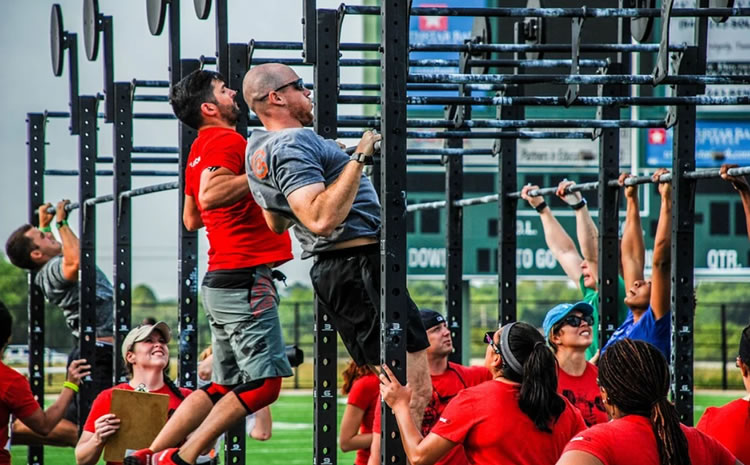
(101, 375)
(347, 286)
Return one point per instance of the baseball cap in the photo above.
(142, 332)
(430, 318)
(560, 311)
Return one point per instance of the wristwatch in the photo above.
(361, 158)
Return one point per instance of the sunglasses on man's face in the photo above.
(489, 338)
(298, 84)
(575, 321)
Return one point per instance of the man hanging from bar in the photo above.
(582, 270)
(238, 291)
(303, 180)
(56, 264)
(649, 318)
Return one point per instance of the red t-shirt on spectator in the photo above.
(583, 392)
(237, 234)
(365, 394)
(103, 402)
(15, 399)
(445, 386)
(730, 425)
(486, 419)
(631, 439)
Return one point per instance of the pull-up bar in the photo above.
(123, 195)
(587, 186)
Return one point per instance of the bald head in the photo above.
(262, 79)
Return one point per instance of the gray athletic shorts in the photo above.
(242, 310)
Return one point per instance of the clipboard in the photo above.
(142, 415)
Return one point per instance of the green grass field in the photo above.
(292, 441)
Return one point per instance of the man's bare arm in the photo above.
(741, 186)
(322, 208)
(191, 216)
(220, 187)
(586, 231)
(276, 222)
(71, 247)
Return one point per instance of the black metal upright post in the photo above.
(174, 42)
(234, 446)
(309, 24)
(326, 73)
(394, 69)
(454, 239)
(609, 246)
(71, 40)
(222, 37)
(506, 209)
(109, 68)
(683, 237)
(36, 125)
(122, 143)
(87, 152)
(187, 272)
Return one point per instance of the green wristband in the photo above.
(72, 386)
(62, 223)
(47, 228)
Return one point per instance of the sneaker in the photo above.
(138, 457)
(165, 457)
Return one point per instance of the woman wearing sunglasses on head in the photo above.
(646, 429)
(567, 328)
(516, 418)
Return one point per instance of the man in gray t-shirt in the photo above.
(310, 183)
(56, 264)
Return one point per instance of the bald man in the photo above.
(303, 180)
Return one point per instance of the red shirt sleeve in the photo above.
(363, 391)
(477, 375)
(20, 400)
(100, 407)
(377, 419)
(704, 424)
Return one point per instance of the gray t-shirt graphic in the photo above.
(280, 162)
(63, 293)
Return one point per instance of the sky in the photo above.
(29, 86)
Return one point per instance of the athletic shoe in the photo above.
(139, 457)
(166, 457)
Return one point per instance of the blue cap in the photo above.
(560, 311)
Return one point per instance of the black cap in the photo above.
(431, 318)
(744, 345)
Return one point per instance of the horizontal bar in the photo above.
(153, 149)
(642, 79)
(154, 116)
(149, 189)
(207, 60)
(109, 173)
(484, 135)
(555, 101)
(435, 63)
(588, 186)
(145, 83)
(150, 98)
(417, 47)
(475, 48)
(56, 114)
(99, 199)
(555, 12)
(145, 160)
(368, 122)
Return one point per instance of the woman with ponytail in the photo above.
(363, 397)
(634, 380)
(516, 418)
(147, 358)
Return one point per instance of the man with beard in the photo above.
(238, 292)
(448, 379)
(304, 180)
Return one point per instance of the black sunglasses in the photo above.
(575, 321)
(489, 339)
(298, 84)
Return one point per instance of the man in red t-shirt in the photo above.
(238, 292)
(730, 424)
(448, 379)
(16, 398)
